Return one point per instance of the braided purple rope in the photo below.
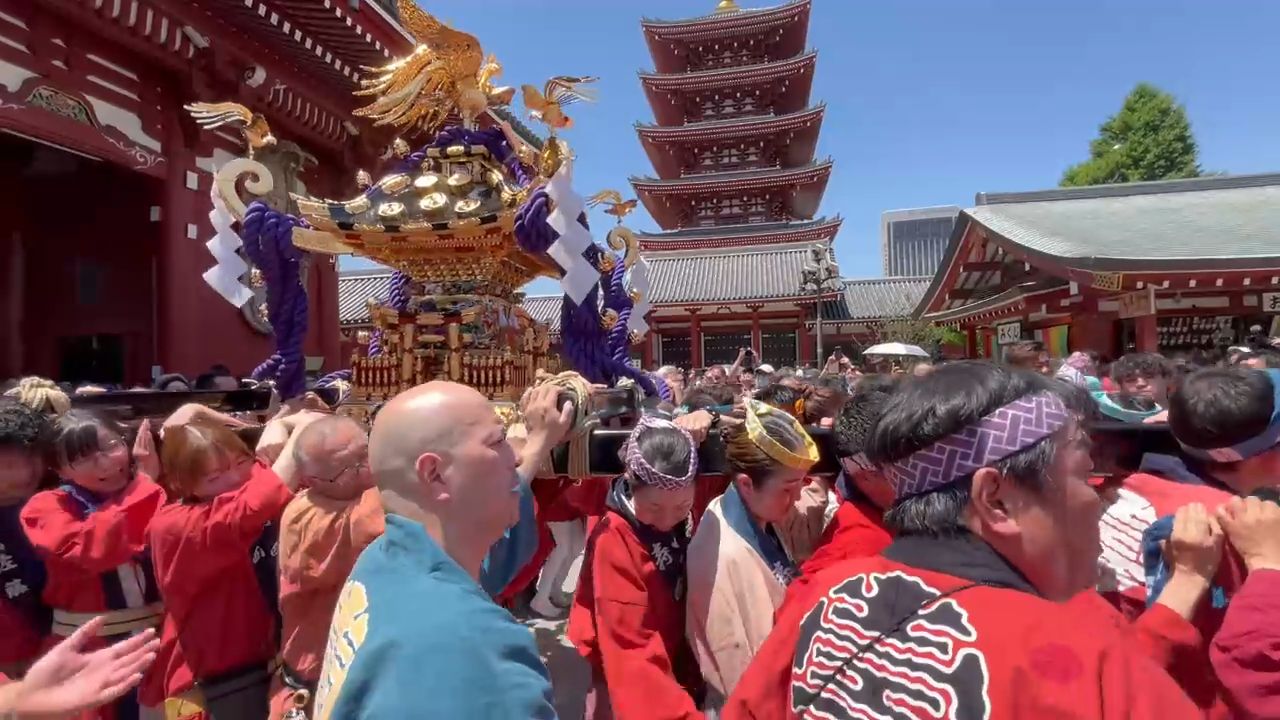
(664, 390)
(533, 234)
(267, 235)
(343, 375)
(375, 344)
(398, 291)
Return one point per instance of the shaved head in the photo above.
(423, 419)
(439, 455)
(332, 456)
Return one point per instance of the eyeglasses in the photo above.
(103, 456)
(360, 467)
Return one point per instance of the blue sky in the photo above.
(928, 101)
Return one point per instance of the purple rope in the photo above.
(343, 375)
(375, 344)
(398, 291)
(533, 234)
(267, 236)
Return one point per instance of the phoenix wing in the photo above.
(216, 115)
(611, 197)
(568, 89)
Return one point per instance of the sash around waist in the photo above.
(118, 622)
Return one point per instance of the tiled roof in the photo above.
(1206, 223)
(750, 234)
(764, 177)
(734, 275)
(355, 287)
(877, 298)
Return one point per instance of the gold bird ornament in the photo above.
(613, 203)
(547, 106)
(253, 126)
(441, 75)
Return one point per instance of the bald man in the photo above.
(322, 532)
(414, 633)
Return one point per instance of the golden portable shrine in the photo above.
(465, 220)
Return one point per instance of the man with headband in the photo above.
(628, 616)
(975, 609)
(1227, 423)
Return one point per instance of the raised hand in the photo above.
(144, 451)
(1195, 547)
(70, 678)
(1253, 526)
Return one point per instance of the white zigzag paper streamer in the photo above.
(579, 275)
(224, 277)
(638, 279)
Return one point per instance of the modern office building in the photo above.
(914, 241)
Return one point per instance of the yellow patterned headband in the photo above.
(771, 447)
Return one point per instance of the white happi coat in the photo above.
(732, 593)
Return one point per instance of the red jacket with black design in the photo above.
(966, 650)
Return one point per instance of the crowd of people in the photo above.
(968, 560)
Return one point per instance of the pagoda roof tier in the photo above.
(670, 40)
(794, 77)
(742, 236)
(800, 190)
(794, 136)
(733, 275)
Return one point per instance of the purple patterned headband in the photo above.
(1014, 427)
(643, 472)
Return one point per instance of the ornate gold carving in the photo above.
(357, 206)
(390, 210)
(433, 201)
(426, 181)
(393, 184)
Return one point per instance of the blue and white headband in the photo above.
(1256, 445)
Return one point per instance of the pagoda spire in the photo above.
(727, 6)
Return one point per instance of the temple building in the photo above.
(737, 187)
(107, 179)
(1176, 267)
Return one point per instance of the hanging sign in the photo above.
(1137, 303)
(1009, 333)
(1271, 302)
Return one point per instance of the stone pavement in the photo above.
(570, 676)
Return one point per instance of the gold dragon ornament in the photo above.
(447, 72)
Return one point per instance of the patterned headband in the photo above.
(771, 447)
(1260, 443)
(1013, 427)
(643, 472)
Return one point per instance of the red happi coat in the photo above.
(1139, 501)
(96, 558)
(1246, 651)
(211, 563)
(856, 530)
(629, 625)
(969, 650)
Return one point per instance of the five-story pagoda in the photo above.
(737, 187)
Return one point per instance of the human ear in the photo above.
(991, 501)
(427, 469)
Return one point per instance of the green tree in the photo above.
(1149, 139)
(914, 331)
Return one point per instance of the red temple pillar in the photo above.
(1148, 340)
(804, 339)
(179, 331)
(755, 330)
(695, 338)
(646, 350)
